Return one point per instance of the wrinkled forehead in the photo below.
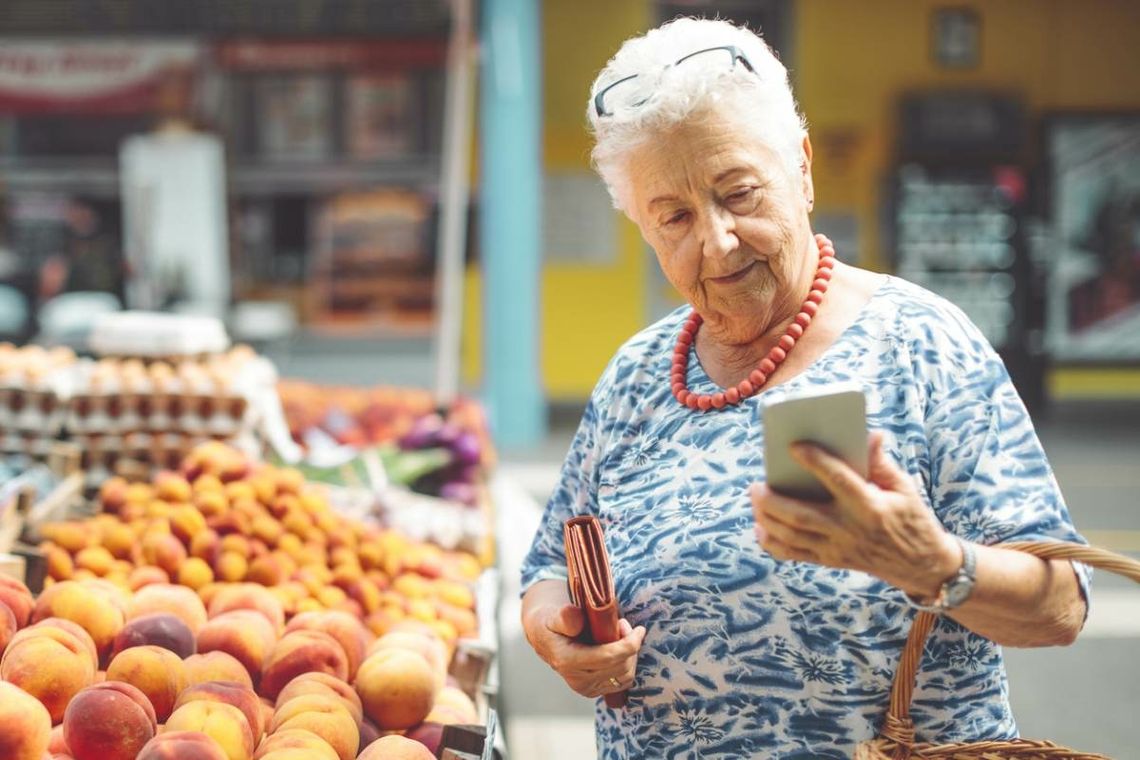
(699, 152)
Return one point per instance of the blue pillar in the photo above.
(511, 218)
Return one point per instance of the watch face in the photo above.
(958, 591)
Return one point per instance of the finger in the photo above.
(624, 627)
(782, 551)
(599, 658)
(881, 469)
(794, 537)
(568, 621)
(836, 475)
(813, 516)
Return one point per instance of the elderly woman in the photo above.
(757, 625)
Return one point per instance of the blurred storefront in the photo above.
(329, 115)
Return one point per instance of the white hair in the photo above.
(664, 95)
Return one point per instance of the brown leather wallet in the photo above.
(592, 586)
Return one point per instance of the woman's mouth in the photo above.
(736, 276)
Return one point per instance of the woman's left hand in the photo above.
(880, 525)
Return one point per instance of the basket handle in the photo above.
(898, 726)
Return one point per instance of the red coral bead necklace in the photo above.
(759, 376)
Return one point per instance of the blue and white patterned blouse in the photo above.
(746, 656)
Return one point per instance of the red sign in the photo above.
(84, 77)
(307, 55)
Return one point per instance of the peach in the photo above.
(397, 688)
(239, 695)
(245, 634)
(57, 744)
(181, 745)
(211, 503)
(325, 716)
(223, 723)
(215, 666)
(60, 565)
(232, 566)
(431, 648)
(172, 487)
(94, 558)
(206, 545)
(249, 596)
(17, 598)
(323, 683)
(62, 629)
(428, 734)
(300, 739)
(186, 522)
(160, 629)
(71, 535)
(195, 573)
(156, 672)
(267, 570)
(163, 550)
(145, 576)
(172, 598)
(113, 494)
(348, 631)
(108, 721)
(396, 747)
(453, 697)
(302, 652)
(7, 626)
(50, 665)
(25, 725)
(119, 539)
(368, 733)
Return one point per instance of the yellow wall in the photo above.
(854, 59)
(850, 62)
(587, 310)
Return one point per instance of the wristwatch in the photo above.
(955, 591)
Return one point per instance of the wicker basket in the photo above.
(896, 740)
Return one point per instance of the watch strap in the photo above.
(966, 576)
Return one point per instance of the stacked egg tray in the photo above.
(129, 416)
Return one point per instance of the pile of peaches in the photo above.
(226, 613)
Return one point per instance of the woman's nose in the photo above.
(719, 235)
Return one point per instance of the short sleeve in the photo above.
(574, 495)
(990, 480)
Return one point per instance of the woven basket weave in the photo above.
(896, 739)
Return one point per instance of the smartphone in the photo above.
(832, 416)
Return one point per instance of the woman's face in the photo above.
(728, 220)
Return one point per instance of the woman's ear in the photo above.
(805, 173)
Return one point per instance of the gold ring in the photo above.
(615, 682)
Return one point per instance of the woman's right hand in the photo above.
(587, 668)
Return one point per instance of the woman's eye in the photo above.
(738, 196)
(676, 218)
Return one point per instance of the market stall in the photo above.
(282, 570)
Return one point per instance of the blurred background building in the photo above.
(281, 163)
